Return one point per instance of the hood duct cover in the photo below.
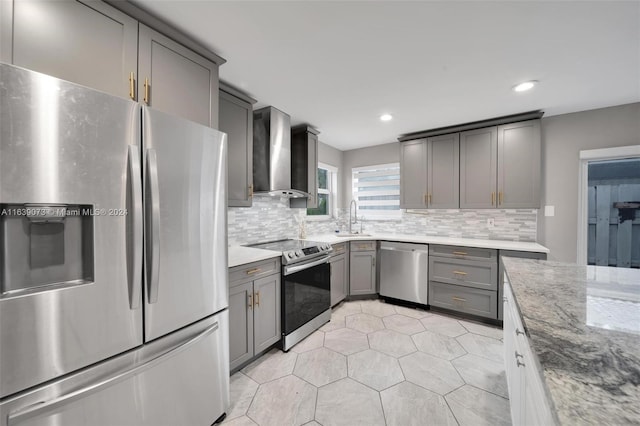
(272, 154)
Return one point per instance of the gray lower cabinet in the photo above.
(254, 310)
(236, 120)
(339, 273)
(430, 173)
(88, 43)
(511, 253)
(500, 166)
(362, 268)
(464, 279)
(175, 79)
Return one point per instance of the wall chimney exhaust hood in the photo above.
(272, 154)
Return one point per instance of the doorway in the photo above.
(609, 209)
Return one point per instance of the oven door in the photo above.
(306, 293)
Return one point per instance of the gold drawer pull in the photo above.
(458, 299)
(363, 246)
(258, 299)
(253, 271)
(460, 253)
(459, 273)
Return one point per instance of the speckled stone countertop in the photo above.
(583, 324)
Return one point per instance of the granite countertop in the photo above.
(240, 255)
(583, 324)
(463, 242)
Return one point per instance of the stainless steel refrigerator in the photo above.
(113, 267)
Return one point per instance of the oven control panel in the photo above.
(310, 252)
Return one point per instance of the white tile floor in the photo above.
(377, 364)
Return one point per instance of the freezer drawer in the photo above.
(478, 274)
(483, 303)
(142, 387)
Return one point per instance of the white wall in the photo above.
(563, 137)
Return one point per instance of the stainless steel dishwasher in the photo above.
(404, 271)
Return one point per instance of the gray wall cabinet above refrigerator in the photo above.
(236, 120)
(96, 45)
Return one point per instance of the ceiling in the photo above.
(339, 65)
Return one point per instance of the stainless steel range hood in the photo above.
(272, 154)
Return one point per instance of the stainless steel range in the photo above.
(306, 287)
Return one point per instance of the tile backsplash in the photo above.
(270, 218)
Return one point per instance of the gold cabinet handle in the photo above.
(253, 271)
(429, 200)
(132, 85)
(460, 253)
(426, 199)
(459, 273)
(458, 299)
(146, 91)
(250, 300)
(258, 298)
(250, 190)
(493, 198)
(500, 198)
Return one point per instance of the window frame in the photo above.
(331, 191)
(395, 214)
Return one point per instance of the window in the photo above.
(376, 190)
(327, 184)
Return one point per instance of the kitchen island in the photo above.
(582, 324)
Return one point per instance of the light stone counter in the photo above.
(583, 324)
(239, 255)
(463, 242)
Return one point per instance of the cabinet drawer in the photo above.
(483, 303)
(471, 253)
(251, 271)
(470, 273)
(339, 249)
(363, 245)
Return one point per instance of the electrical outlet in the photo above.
(491, 222)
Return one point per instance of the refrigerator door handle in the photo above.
(45, 406)
(135, 257)
(153, 230)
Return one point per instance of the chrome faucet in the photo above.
(355, 218)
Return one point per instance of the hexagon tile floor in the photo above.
(377, 364)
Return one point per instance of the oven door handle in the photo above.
(288, 270)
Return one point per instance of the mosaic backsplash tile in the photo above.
(270, 218)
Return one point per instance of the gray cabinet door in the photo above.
(88, 43)
(362, 273)
(236, 120)
(240, 324)
(519, 165)
(443, 168)
(413, 174)
(339, 277)
(176, 80)
(266, 312)
(478, 168)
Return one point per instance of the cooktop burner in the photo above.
(295, 250)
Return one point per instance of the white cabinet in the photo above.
(527, 396)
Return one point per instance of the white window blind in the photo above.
(376, 190)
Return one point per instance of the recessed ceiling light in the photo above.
(523, 87)
(386, 117)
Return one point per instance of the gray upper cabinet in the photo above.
(236, 120)
(443, 171)
(519, 165)
(413, 174)
(89, 43)
(430, 173)
(304, 154)
(500, 166)
(478, 168)
(176, 80)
